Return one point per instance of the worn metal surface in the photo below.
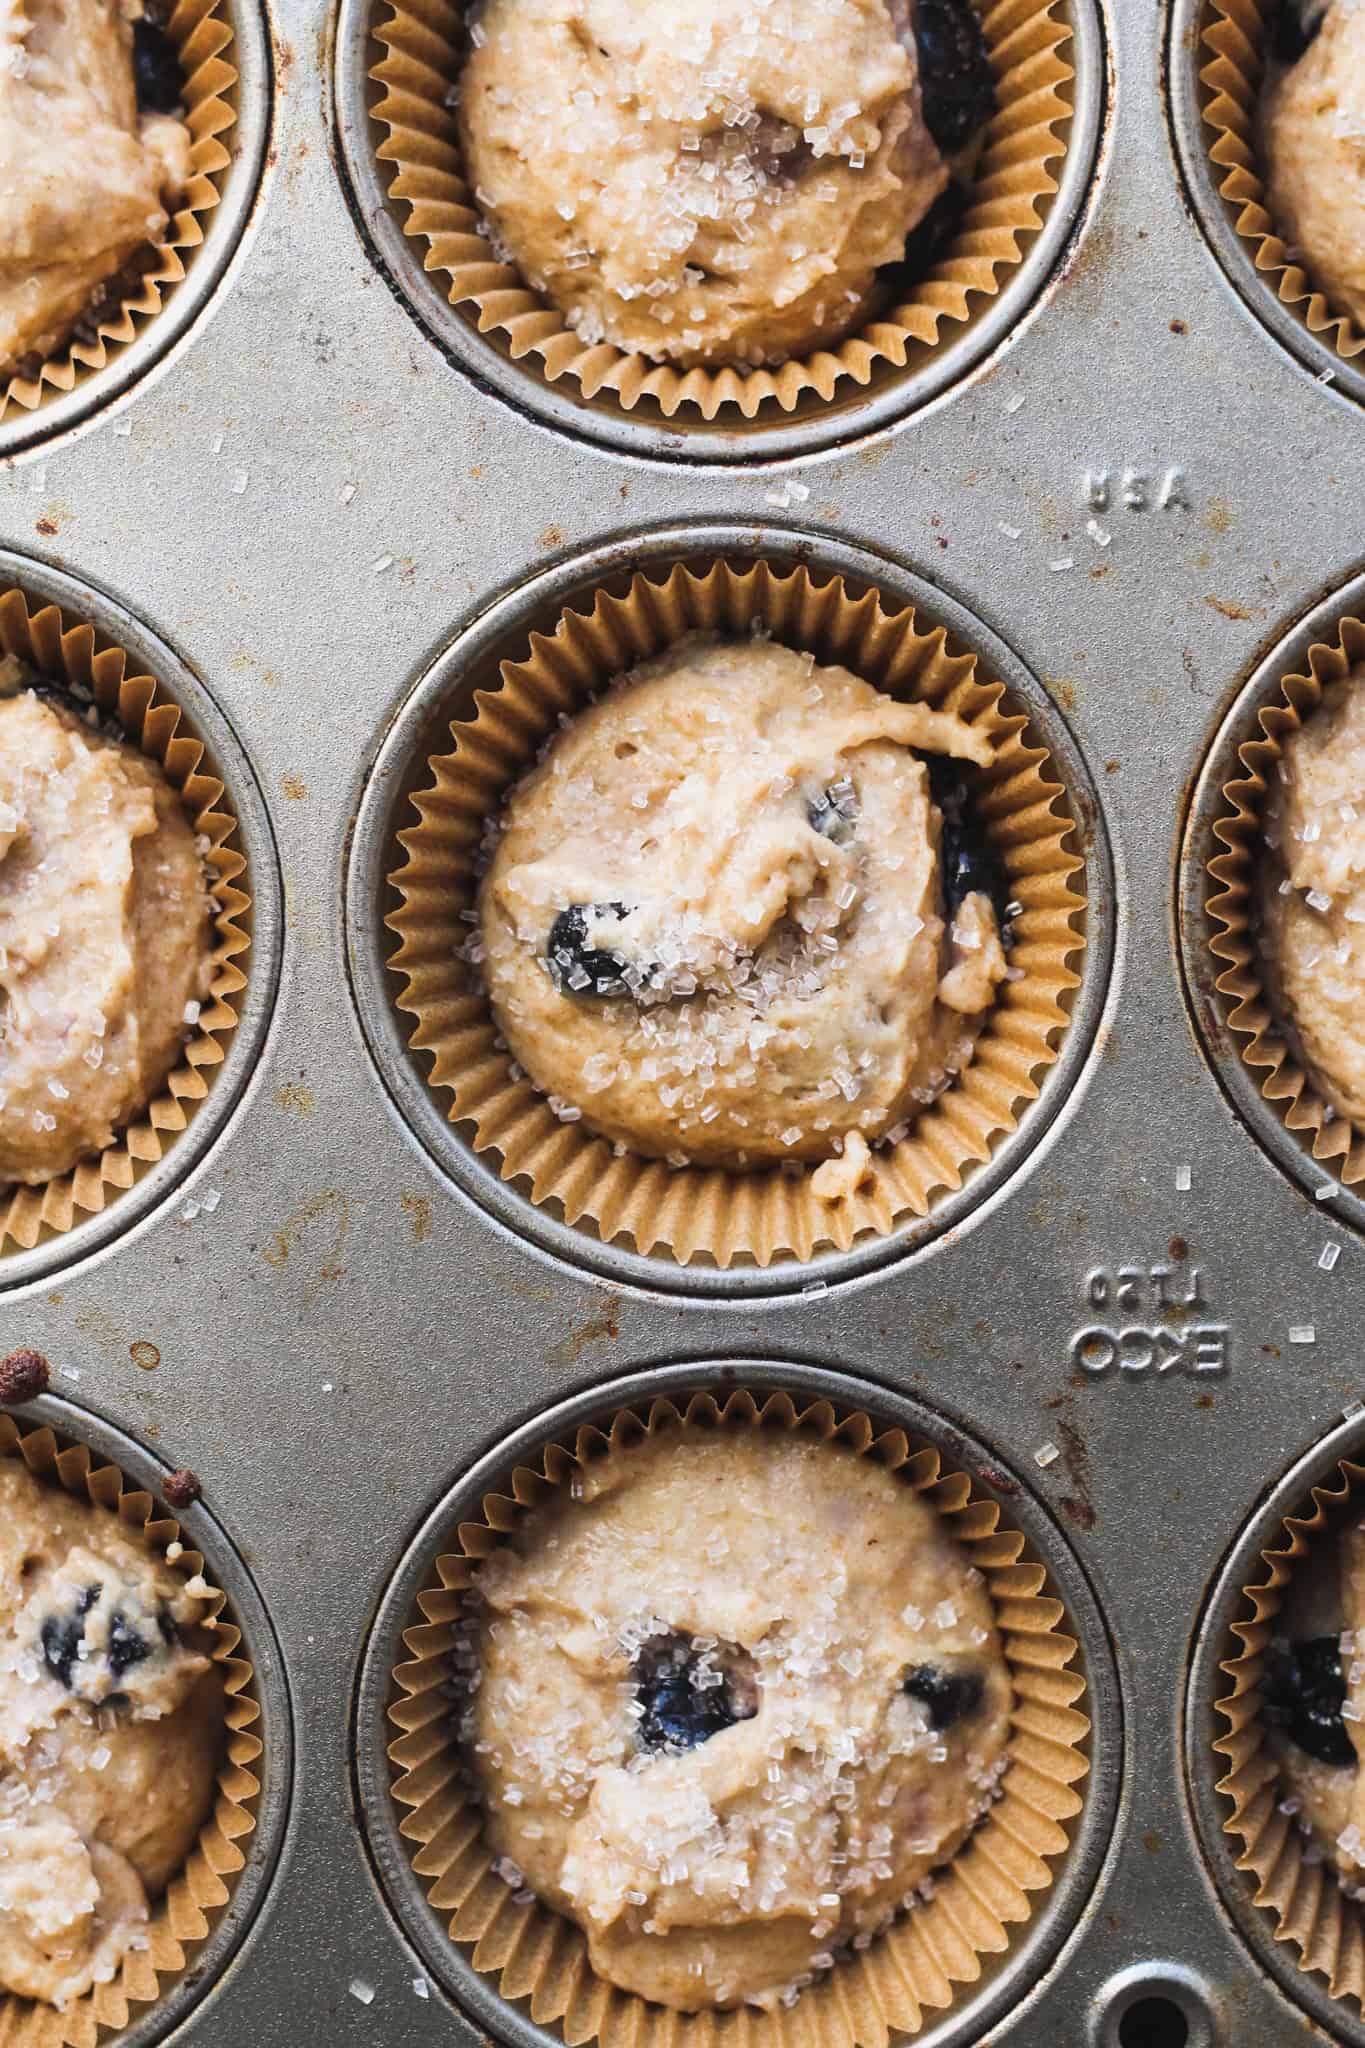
(347, 1332)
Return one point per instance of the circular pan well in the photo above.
(1211, 1007)
(816, 422)
(268, 1688)
(1224, 195)
(1074, 1874)
(420, 730)
(1215, 1643)
(204, 263)
(145, 1185)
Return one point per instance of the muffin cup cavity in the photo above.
(193, 1901)
(1310, 1912)
(910, 1972)
(1234, 49)
(1005, 206)
(71, 654)
(711, 1214)
(203, 35)
(1254, 1013)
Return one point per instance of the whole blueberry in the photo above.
(967, 860)
(158, 79)
(1303, 1693)
(956, 83)
(684, 1696)
(576, 967)
(1293, 29)
(950, 1696)
(63, 1634)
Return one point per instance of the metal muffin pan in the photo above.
(309, 503)
(207, 268)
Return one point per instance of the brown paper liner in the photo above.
(65, 652)
(1233, 47)
(698, 1212)
(1006, 207)
(193, 1900)
(912, 1969)
(1332, 1139)
(1312, 1912)
(202, 33)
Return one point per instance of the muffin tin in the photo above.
(316, 525)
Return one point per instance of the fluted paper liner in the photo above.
(910, 1971)
(1233, 53)
(705, 1212)
(1333, 1140)
(1006, 206)
(202, 33)
(185, 1914)
(65, 651)
(1311, 1911)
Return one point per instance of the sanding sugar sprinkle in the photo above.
(1303, 1333)
(1046, 1454)
(361, 1992)
(1182, 1180)
(421, 1988)
(1328, 1257)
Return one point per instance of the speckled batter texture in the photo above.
(702, 183)
(714, 922)
(104, 934)
(1313, 930)
(738, 1699)
(110, 1730)
(85, 180)
(1314, 140)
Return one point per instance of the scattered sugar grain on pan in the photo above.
(1183, 1179)
(1303, 1333)
(1328, 1256)
(1045, 1455)
(361, 1991)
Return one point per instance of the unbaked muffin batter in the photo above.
(1314, 141)
(110, 1729)
(1314, 1702)
(104, 933)
(714, 925)
(738, 1697)
(706, 183)
(85, 177)
(1313, 929)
